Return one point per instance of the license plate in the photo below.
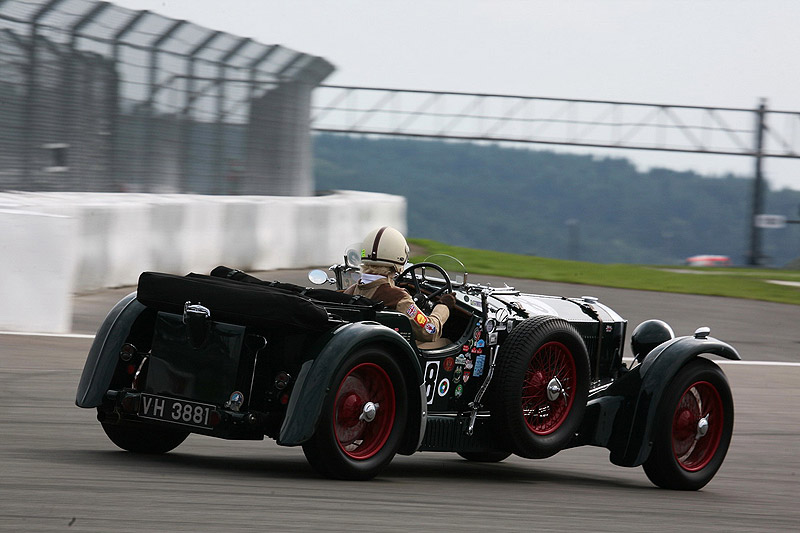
(183, 412)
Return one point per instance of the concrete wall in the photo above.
(37, 266)
(55, 244)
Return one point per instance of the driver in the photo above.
(383, 255)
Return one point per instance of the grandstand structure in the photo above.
(97, 97)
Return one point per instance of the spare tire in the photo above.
(541, 387)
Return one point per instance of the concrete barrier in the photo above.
(55, 244)
(36, 271)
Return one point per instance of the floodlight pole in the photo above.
(755, 257)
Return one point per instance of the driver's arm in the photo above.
(426, 328)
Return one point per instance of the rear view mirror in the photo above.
(318, 277)
(352, 256)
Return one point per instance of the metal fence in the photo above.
(756, 133)
(96, 97)
(557, 121)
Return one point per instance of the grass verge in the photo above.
(754, 284)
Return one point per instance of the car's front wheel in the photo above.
(694, 424)
(363, 418)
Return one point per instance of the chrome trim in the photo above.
(600, 388)
(476, 403)
(423, 416)
(702, 332)
(195, 310)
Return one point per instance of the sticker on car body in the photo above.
(431, 378)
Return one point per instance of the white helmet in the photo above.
(385, 247)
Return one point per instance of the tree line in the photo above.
(566, 206)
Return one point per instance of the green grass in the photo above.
(732, 282)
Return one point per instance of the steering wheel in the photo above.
(425, 301)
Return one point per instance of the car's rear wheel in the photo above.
(144, 438)
(485, 457)
(363, 418)
(542, 386)
(694, 424)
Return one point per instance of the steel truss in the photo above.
(756, 133)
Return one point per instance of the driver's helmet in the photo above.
(385, 247)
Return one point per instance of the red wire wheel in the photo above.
(551, 366)
(364, 411)
(697, 426)
(541, 388)
(692, 428)
(363, 419)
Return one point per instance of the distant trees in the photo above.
(548, 204)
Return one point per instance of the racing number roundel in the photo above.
(431, 375)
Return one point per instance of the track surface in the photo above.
(59, 472)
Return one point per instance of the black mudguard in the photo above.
(314, 380)
(621, 418)
(104, 353)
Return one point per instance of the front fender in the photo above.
(314, 381)
(104, 353)
(655, 375)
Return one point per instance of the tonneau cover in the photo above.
(231, 301)
(321, 295)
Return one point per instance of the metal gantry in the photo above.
(756, 133)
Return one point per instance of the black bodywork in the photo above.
(185, 346)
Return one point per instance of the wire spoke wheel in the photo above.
(364, 411)
(542, 387)
(692, 428)
(697, 426)
(550, 374)
(363, 418)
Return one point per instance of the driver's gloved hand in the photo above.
(449, 300)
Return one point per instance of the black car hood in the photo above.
(570, 309)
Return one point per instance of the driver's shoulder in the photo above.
(391, 296)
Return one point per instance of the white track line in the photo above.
(627, 360)
(720, 361)
(755, 363)
(60, 335)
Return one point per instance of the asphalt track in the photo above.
(58, 471)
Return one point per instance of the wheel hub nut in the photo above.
(702, 428)
(368, 412)
(554, 389)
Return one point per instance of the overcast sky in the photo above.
(725, 53)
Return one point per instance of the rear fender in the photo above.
(104, 353)
(634, 416)
(314, 381)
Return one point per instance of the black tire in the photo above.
(539, 352)
(144, 438)
(345, 446)
(485, 457)
(682, 458)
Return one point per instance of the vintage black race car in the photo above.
(231, 356)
